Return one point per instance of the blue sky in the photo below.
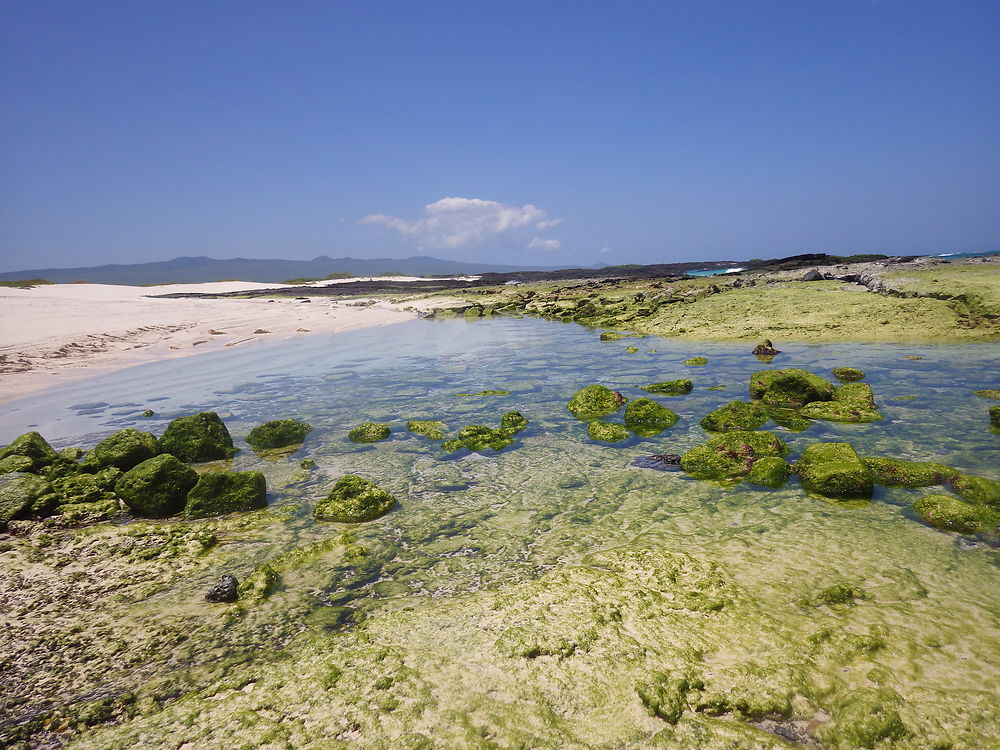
(550, 133)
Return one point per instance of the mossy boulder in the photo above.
(278, 433)
(770, 471)
(892, 472)
(864, 718)
(977, 489)
(16, 463)
(988, 393)
(646, 418)
(791, 387)
(478, 437)
(157, 487)
(429, 428)
(217, 493)
(950, 513)
(594, 401)
(198, 437)
(670, 387)
(608, 432)
(852, 402)
(125, 449)
(32, 446)
(834, 470)
(18, 494)
(736, 415)
(369, 432)
(848, 374)
(259, 585)
(353, 500)
(87, 488)
(731, 454)
(789, 418)
(696, 362)
(995, 416)
(513, 422)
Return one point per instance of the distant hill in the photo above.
(188, 270)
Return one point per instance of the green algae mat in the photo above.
(546, 595)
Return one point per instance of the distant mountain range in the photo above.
(193, 270)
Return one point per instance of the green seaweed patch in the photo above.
(731, 455)
(951, 514)
(840, 594)
(665, 695)
(278, 433)
(369, 432)
(485, 393)
(864, 718)
(988, 393)
(716, 388)
(848, 374)
(671, 387)
(607, 432)
(259, 585)
(646, 418)
(594, 401)
(977, 489)
(513, 422)
(696, 362)
(893, 472)
(631, 349)
(429, 428)
(354, 500)
(834, 470)
(736, 415)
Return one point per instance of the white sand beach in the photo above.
(51, 334)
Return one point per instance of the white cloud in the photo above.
(538, 243)
(604, 249)
(459, 222)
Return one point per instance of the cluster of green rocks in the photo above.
(150, 475)
(643, 417)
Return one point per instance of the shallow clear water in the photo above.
(475, 538)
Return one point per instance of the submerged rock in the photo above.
(157, 487)
(198, 437)
(429, 428)
(659, 462)
(848, 374)
(646, 418)
(950, 513)
(278, 433)
(369, 432)
(32, 446)
(892, 472)
(736, 415)
(125, 449)
(18, 494)
(731, 454)
(479, 437)
(791, 387)
(834, 470)
(217, 493)
(607, 432)
(594, 401)
(696, 362)
(513, 422)
(613, 336)
(769, 471)
(977, 489)
(852, 402)
(670, 387)
(765, 349)
(353, 500)
(226, 590)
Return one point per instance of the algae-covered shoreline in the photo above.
(546, 594)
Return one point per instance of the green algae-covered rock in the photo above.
(977, 489)
(665, 695)
(607, 432)
(696, 362)
(33, 446)
(791, 387)
(125, 449)
(952, 514)
(157, 487)
(631, 349)
(353, 500)
(731, 454)
(429, 428)
(16, 463)
(988, 393)
(613, 336)
(852, 402)
(369, 432)
(217, 493)
(769, 471)
(789, 418)
(864, 718)
(839, 593)
(278, 433)
(670, 387)
(995, 416)
(646, 418)
(18, 494)
(594, 401)
(478, 437)
(86, 488)
(736, 415)
(198, 437)
(259, 585)
(891, 472)
(834, 470)
(848, 374)
(513, 422)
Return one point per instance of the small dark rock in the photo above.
(765, 349)
(661, 462)
(812, 275)
(224, 590)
